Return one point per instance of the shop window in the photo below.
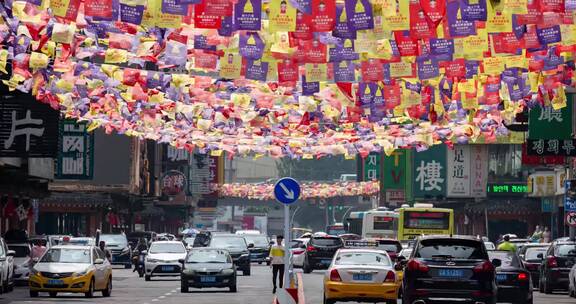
(505, 163)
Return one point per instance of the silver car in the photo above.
(163, 259)
(6, 267)
(22, 261)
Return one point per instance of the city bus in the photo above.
(373, 224)
(424, 219)
(336, 229)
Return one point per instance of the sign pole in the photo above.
(287, 238)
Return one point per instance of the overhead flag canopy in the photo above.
(295, 78)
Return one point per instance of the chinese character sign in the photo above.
(550, 123)
(173, 183)
(458, 170)
(27, 128)
(371, 167)
(199, 174)
(75, 151)
(430, 172)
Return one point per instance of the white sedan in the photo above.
(298, 251)
(163, 259)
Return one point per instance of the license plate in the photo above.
(55, 282)
(501, 277)
(362, 277)
(326, 262)
(451, 273)
(208, 279)
(167, 268)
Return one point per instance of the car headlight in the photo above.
(126, 250)
(81, 273)
(227, 271)
(153, 261)
(34, 271)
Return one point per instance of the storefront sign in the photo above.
(547, 205)
(430, 172)
(371, 167)
(27, 128)
(507, 189)
(547, 123)
(467, 169)
(173, 183)
(542, 184)
(396, 184)
(570, 196)
(75, 151)
(478, 170)
(395, 198)
(199, 174)
(551, 147)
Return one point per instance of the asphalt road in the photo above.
(255, 289)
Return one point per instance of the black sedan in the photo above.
(512, 278)
(208, 268)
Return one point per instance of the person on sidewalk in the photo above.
(277, 253)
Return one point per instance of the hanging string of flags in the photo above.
(296, 78)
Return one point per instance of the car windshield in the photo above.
(21, 251)
(66, 255)
(296, 244)
(508, 259)
(532, 253)
(451, 249)
(167, 248)
(208, 256)
(327, 241)
(391, 247)
(257, 240)
(362, 258)
(566, 250)
(114, 240)
(228, 242)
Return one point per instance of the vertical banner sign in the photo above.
(458, 170)
(75, 151)
(478, 170)
(199, 174)
(216, 168)
(371, 167)
(430, 172)
(395, 174)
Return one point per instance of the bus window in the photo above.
(383, 223)
(426, 220)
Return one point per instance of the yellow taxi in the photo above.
(74, 269)
(361, 275)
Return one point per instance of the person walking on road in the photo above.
(277, 253)
(507, 245)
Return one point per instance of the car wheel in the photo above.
(328, 301)
(184, 288)
(108, 291)
(33, 294)
(306, 268)
(52, 294)
(147, 278)
(90, 292)
(233, 288)
(246, 272)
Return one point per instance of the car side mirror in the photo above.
(250, 246)
(99, 262)
(11, 253)
(540, 256)
(497, 262)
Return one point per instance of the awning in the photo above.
(75, 199)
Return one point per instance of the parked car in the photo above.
(319, 252)
(532, 256)
(163, 259)
(22, 262)
(6, 267)
(298, 251)
(72, 268)
(555, 269)
(361, 275)
(512, 278)
(119, 248)
(208, 267)
(453, 268)
(238, 248)
(260, 249)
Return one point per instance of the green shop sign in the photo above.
(507, 189)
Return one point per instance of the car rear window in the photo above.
(362, 258)
(508, 259)
(450, 248)
(326, 241)
(390, 247)
(532, 253)
(566, 250)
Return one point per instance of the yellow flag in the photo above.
(400, 69)
(3, 60)
(282, 17)
(474, 46)
(38, 60)
(396, 15)
(230, 65)
(59, 7)
(316, 72)
(493, 65)
(499, 19)
(516, 6)
(116, 56)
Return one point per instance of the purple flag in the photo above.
(131, 14)
(256, 70)
(251, 46)
(458, 27)
(359, 14)
(171, 7)
(472, 12)
(344, 71)
(248, 15)
(342, 28)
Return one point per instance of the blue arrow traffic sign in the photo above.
(287, 190)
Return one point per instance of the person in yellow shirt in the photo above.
(507, 245)
(277, 252)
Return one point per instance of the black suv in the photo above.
(320, 251)
(555, 268)
(449, 269)
(237, 247)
